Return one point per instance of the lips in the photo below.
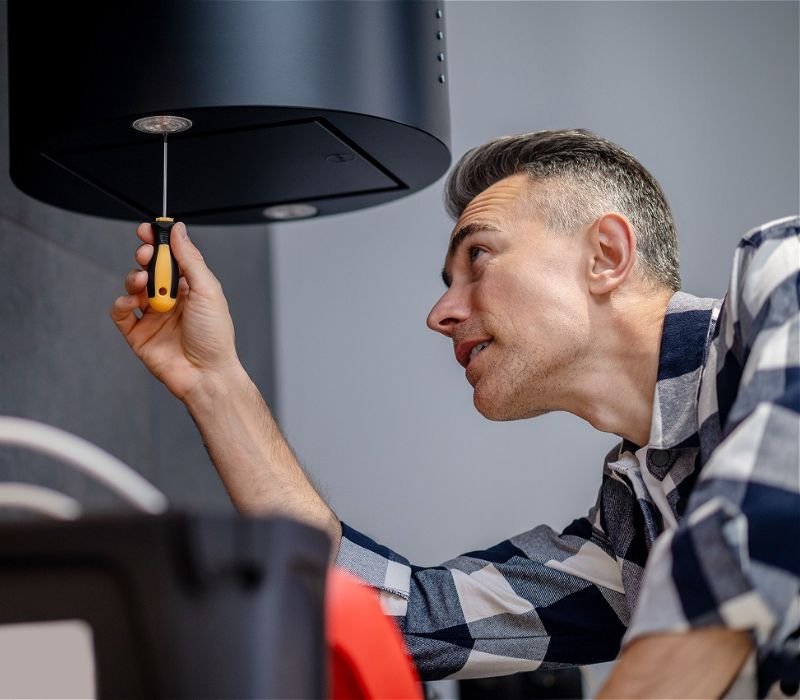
(467, 350)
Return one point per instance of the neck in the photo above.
(618, 383)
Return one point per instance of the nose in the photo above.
(448, 312)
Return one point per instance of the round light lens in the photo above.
(287, 212)
(162, 124)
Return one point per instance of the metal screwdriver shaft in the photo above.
(164, 189)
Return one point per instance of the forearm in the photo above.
(701, 663)
(253, 459)
(191, 349)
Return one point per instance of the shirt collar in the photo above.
(687, 331)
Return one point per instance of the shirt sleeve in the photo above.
(734, 560)
(540, 598)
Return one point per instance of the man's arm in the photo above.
(701, 663)
(255, 462)
(191, 350)
(538, 600)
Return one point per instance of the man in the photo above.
(562, 294)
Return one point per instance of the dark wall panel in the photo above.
(62, 362)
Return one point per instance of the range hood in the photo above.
(296, 105)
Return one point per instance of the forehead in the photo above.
(496, 203)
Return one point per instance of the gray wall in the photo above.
(63, 362)
(704, 94)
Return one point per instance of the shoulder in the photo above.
(776, 230)
(766, 257)
(766, 270)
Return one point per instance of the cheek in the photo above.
(543, 311)
(518, 315)
(531, 296)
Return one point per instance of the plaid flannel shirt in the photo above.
(700, 527)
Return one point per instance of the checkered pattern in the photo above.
(700, 527)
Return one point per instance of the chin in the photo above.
(487, 412)
(503, 407)
(494, 408)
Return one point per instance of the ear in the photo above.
(612, 249)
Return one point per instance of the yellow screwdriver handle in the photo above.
(162, 270)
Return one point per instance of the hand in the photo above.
(698, 663)
(192, 342)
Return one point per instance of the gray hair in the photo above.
(582, 176)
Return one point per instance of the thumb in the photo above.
(190, 260)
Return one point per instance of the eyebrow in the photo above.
(458, 238)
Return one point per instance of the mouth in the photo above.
(468, 350)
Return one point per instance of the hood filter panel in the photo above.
(221, 176)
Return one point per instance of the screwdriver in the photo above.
(162, 270)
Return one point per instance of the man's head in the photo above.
(550, 224)
(580, 176)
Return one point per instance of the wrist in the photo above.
(213, 387)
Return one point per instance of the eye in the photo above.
(474, 252)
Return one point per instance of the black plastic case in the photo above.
(180, 606)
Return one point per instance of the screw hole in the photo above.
(162, 291)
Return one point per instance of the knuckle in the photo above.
(195, 254)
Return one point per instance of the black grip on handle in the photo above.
(162, 276)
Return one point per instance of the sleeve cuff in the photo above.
(376, 565)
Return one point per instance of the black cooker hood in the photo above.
(336, 104)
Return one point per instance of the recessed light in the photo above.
(287, 212)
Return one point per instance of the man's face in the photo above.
(516, 307)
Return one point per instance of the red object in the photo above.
(366, 653)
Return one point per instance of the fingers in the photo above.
(135, 281)
(143, 254)
(190, 260)
(194, 274)
(145, 232)
(123, 313)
